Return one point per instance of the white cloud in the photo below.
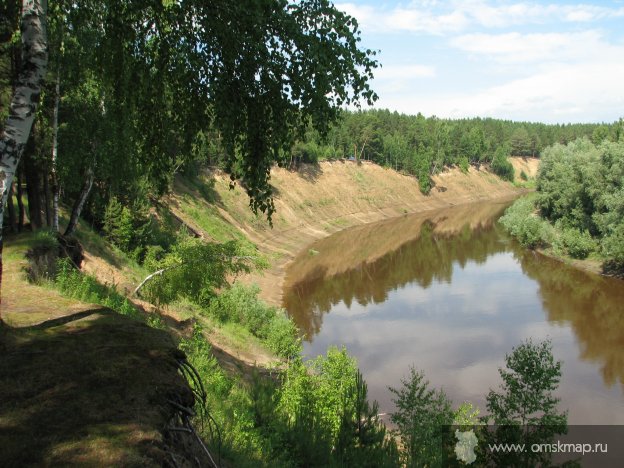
(513, 47)
(401, 19)
(568, 93)
(401, 77)
(509, 14)
(448, 17)
(406, 19)
(400, 72)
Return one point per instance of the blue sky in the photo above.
(531, 61)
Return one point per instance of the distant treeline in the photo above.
(422, 146)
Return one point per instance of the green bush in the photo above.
(196, 270)
(612, 245)
(423, 416)
(327, 418)
(464, 164)
(501, 166)
(526, 399)
(240, 304)
(119, 225)
(45, 239)
(523, 223)
(133, 230)
(282, 337)
(577, 244)
(424, 182)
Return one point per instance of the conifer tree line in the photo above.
(423, 146)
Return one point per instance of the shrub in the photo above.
(119, 225)
(422, 417)
(283, 337)
(240, 304)
(196, 270)
(43, 256)
(132, 229)
(45, 239)
(578, 244)
(525, 407)
(502, 167)
(424, 182)
(522, 223)
(464, 164)
(612, 245)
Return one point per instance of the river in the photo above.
(450, 293)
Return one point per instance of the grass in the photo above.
(23, 303)
(359, 177)
(207, 218)
(82, 385)
(529, 184)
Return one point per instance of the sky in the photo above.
(552, 62)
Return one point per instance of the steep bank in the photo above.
(316, 201)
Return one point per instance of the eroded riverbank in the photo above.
(315, 202)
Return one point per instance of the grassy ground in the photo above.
(23, 303)
(71, 393)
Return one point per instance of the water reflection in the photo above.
(364, 264)
(450, 293)
(592, 305)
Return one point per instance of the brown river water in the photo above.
(450, 293)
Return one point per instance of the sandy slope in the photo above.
(317, 201)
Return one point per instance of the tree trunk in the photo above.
(25, 98)
(47, 197)
(11, 208)
(34, 189)
(55, 185)
(21, 210)
(80, 202)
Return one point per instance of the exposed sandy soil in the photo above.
(317, 201)
(528, 165)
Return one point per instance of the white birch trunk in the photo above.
(25, 97)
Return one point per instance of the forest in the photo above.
(424, 146)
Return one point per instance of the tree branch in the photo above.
(173, 267)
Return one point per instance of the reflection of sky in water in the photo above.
(458, 333)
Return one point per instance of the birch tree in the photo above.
(25, 98)
(156, 73)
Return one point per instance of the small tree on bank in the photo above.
(525, 408)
